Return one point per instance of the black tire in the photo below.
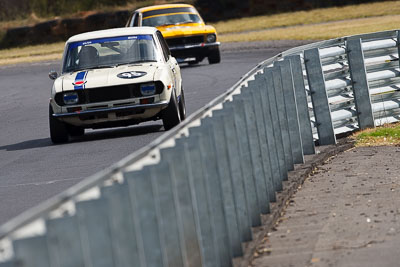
(191, 63)
(182, 105)
(58, 129)
(75, 130)
(214, 57)
(170, 115)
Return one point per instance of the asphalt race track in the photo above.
(32, 169)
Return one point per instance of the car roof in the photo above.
(112, 33)
(149, 8)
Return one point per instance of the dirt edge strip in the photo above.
(295, 180)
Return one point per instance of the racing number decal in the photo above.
(131, 74)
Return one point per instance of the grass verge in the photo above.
(388, 134)
(321, 31)
(34, 53)
(309, 17)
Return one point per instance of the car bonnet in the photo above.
(185, 30)
(93, 78)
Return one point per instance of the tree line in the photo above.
(211, 10)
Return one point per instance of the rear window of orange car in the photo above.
(169, 11)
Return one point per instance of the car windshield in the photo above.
(171, 19)
(110, 52)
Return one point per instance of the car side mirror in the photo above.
(53, 75)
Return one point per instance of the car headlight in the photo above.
(148, 89)
(211, 38)
(71, 98)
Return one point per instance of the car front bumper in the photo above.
(132, 108)
(197, 51)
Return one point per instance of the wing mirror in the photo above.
(53, 75)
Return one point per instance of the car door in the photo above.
(171, 61)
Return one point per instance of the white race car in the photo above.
(112, 78)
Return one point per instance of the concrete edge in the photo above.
(295, 180)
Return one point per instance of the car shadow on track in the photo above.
(186, 66)
(119, 133)
(90, 136)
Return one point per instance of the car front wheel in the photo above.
(58, 129)
(75, 130)
(171, 115)
(214, 56)
(182, 105)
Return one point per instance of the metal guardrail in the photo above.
(191, 197)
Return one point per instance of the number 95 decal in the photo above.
(131, 74)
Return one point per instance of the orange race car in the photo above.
(188, 38)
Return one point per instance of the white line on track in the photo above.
(41, 183)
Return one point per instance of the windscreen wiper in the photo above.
(95, 67)
(136, 62)
(167, 24)
(183, 22)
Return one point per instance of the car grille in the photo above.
(112, 93)
(185, 40)
(109, 93)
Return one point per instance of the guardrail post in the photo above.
(244, 108)
(201, 139)
(265, 131)
(283, 122)
(291, 111)
(236, 122)
(95, 232)
(358, 74)
(64, 242)
(171, 239)
(32, 251)
(145, 219)
(215, 142)
(268, 97)
(302, 105)
(199, 195)
(276, 167)
(319, 97)
(175, 157)
(240, 190)
(120, 218)
(266, 159)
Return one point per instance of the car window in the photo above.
(164, 46)
(129, 23)
(171, 19)
(136, 20)
(110, 52)
(172, 10)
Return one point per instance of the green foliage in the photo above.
(382, 132)
(388, 134)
